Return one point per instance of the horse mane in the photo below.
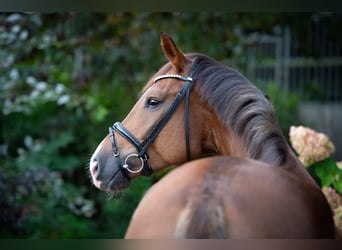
(241, 106)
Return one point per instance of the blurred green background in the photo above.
(66, 77)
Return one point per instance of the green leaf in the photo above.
(329, 173)
(324, 170)
(337, 179)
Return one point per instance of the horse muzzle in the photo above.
(106, 173)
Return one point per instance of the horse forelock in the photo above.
(241, 106)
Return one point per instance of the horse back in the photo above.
(226, 197)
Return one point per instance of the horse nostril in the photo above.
(94, 167)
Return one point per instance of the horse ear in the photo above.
(175, 56)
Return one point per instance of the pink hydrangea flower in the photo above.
(339, 164)
(311, 146)
(335, 202)
(334, 199)
(338, 217)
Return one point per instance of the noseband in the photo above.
(143, 146)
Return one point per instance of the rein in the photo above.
(143, 146)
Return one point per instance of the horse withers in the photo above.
(195, 106)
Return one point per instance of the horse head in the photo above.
(151, 136)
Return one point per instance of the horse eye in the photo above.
(152, 102)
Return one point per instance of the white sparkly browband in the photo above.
(183, 78)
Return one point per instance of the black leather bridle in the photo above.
(143, 146)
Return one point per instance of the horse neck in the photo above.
(223, 141)
(273, 149)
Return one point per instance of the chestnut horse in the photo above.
(195, 106)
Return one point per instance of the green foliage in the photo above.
(64, 78)
(57, 90)
(37, 203)
(329, 174)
